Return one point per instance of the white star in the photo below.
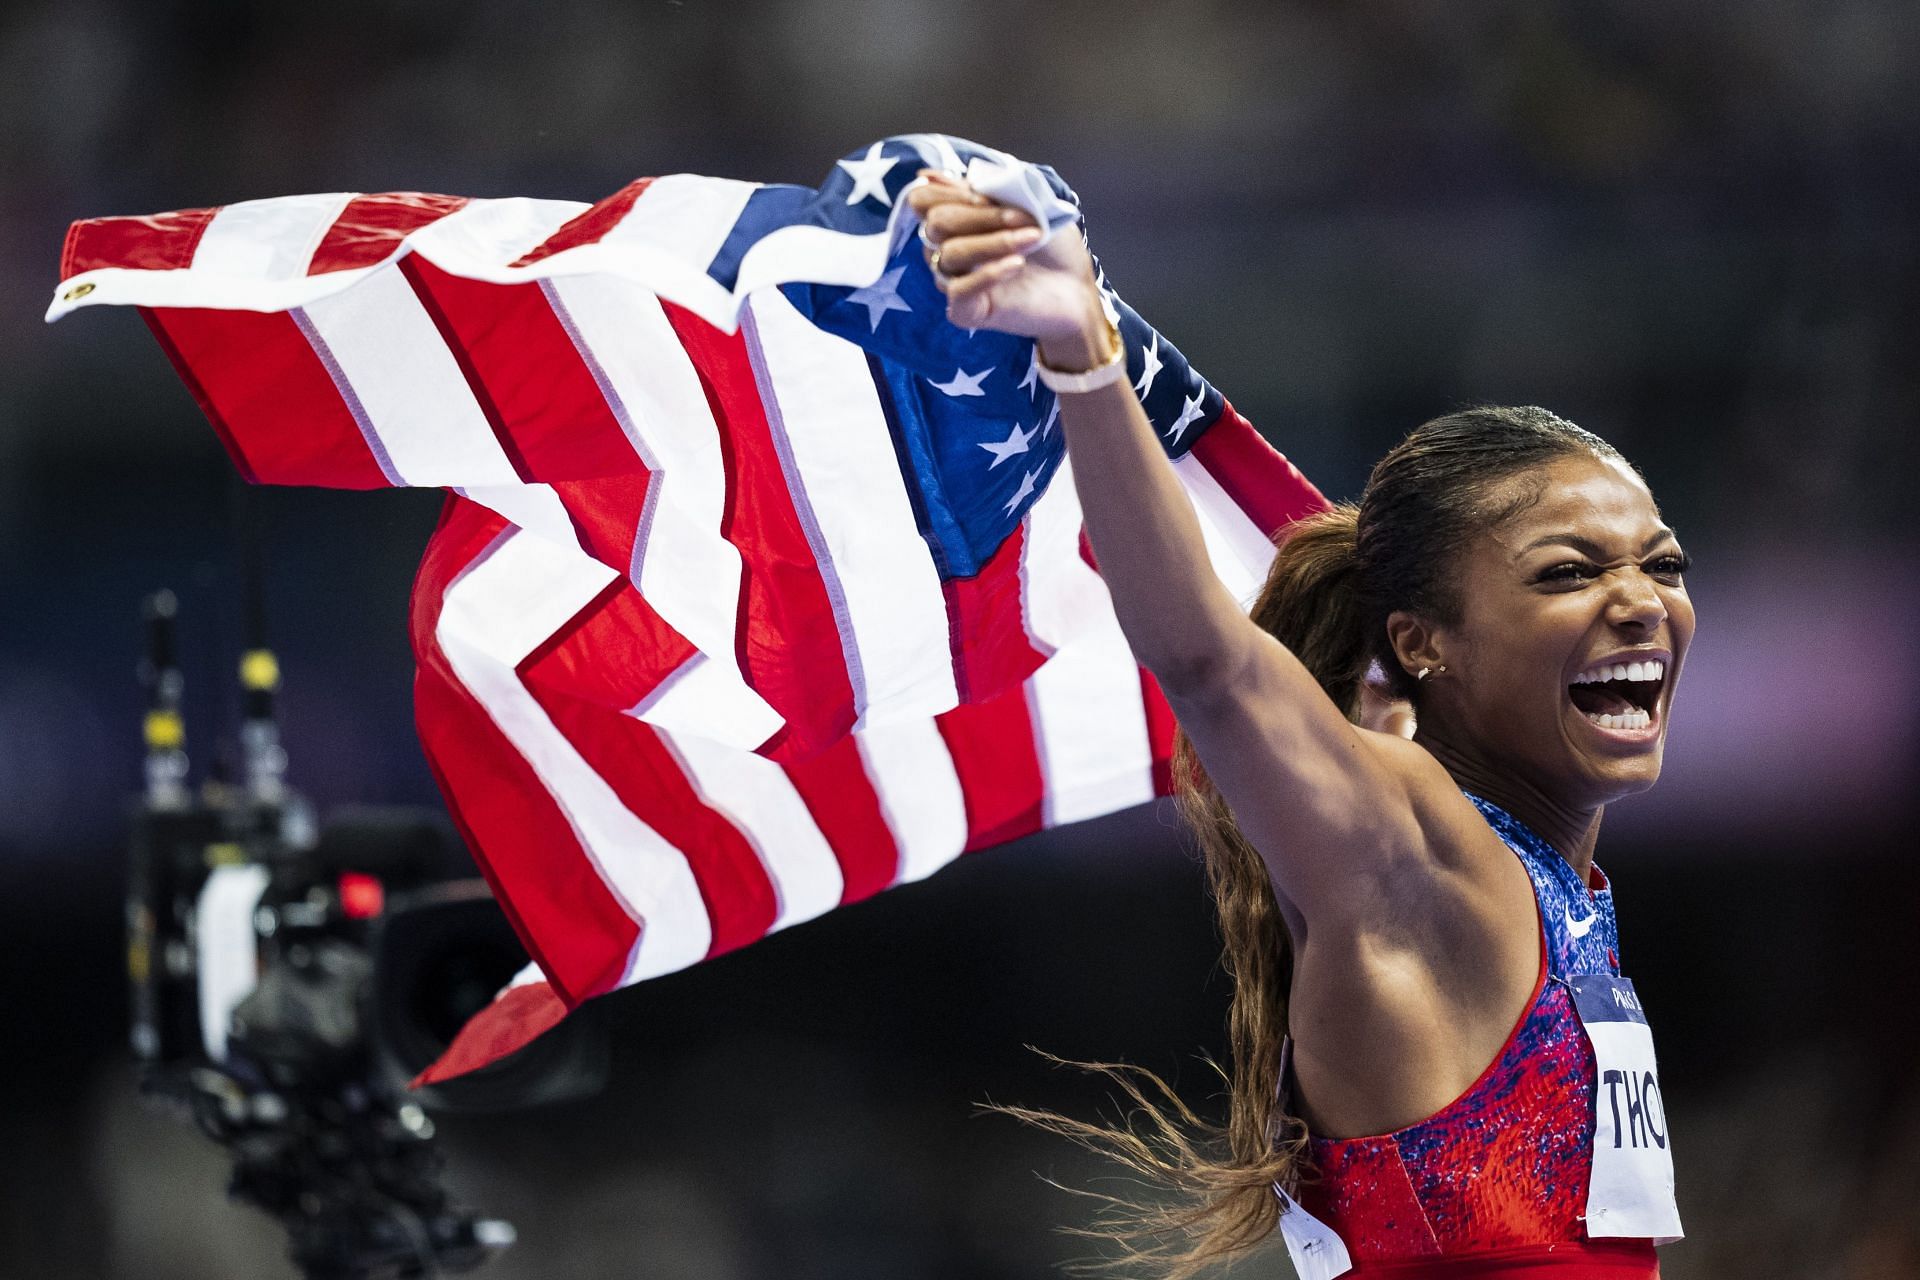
(1189, 414)
(867, 176)
(963, 383)
(1053, 416)
(1152, 369)
(880, 297)
(1016, 442)
(1031, 383)
(1022, 493)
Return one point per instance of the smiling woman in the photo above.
(1439, 1069)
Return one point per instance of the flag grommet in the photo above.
(79, 291)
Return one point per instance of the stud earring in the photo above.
(1430, 671)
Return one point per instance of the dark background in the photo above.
(1690, 228)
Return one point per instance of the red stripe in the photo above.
(1256, 475)
(590, 226)
(269, 397)
(630, 755)
(998, 765)
(372, 227)
(416, 271)
(606, 514)
(157, 242)
(536, 391)
(569, 920)
(786, 635)
(986, 625)
(1160, 731)
(846, 808)
(516, 1018)
(612, 654)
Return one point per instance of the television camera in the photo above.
(290, 977)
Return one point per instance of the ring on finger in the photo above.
(933, 261)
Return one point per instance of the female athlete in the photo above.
(1438, 1067)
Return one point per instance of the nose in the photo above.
(1635, 603)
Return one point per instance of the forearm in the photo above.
(1179, 619)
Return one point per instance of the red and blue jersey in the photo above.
(1499, 1177)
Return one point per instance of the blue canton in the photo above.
(976, 437)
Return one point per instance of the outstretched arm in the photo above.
(1311, 790)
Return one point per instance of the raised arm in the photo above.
(1320, 797)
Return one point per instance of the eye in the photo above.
(1672, 565)
(1567, 572)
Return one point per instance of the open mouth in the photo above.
(1620, 695)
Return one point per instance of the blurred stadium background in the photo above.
(1691, 228)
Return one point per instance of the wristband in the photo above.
(1104, 374)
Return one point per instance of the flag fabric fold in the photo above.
(760, 587)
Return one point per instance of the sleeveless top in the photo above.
(1501, 1173)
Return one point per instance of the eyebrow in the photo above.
(1588, 547)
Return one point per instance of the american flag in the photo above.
(760, 586)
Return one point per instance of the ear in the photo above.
(1416, 642)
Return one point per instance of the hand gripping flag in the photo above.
(760, 586)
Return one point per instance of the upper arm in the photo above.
(1337, 811)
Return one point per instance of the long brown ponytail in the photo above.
(1334, 578)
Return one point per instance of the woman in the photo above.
(1471, 1089)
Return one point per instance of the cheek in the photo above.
(1680, 611)
(1516, 674)
(1520, 667)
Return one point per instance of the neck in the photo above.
(1572, 831)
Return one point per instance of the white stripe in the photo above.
(822, 256)
(491, 617)
(1090, 729)
(1061, 596)
(847, 483)
(685, 569)
(267, 239)
(493, 232)
(1090, 726)
(708, 698)
(913, 775)
(412, 393)
(683, 215)
(534, 507)
(756, 795)
(1240, 552)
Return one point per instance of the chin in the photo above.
(1606, 780)
(1619, 786)
(1610, 765)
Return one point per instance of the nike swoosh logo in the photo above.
(1579, 928)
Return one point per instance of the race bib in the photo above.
(1631, 1191)
(1315, 1249)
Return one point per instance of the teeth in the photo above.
(1653, 669)
(1635, 719)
